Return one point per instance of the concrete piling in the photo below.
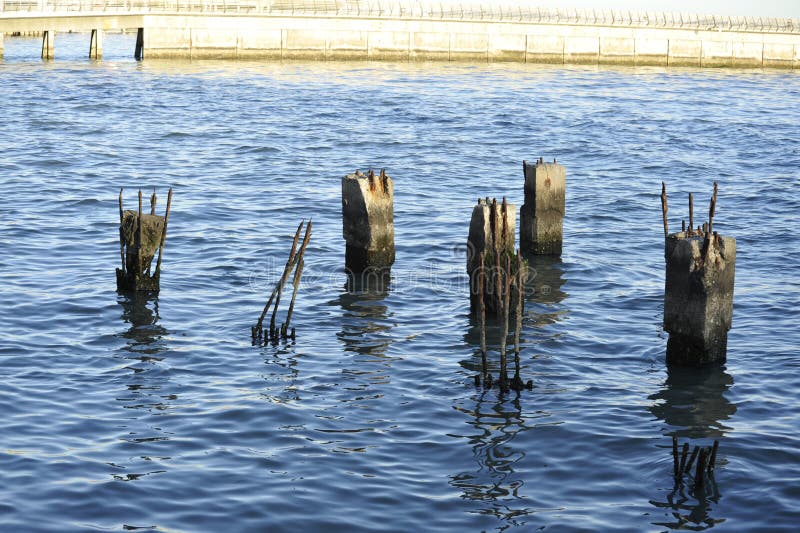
(698, 295)
(496, 277)
(48, 44)
(138, 52)
(140, 237)
(368, 222)
(542, 214)
(96, 44)
(491, 230)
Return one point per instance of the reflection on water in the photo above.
(366, 329)
(494, 481)
(145, 335)
(545, 279)
(692, 400)
(688, 509)
(147, 386)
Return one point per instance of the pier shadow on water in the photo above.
(692, 400)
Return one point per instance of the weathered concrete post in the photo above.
(542, 214)
(140, 236)
(48, 44)
(368, 222)
(698, 295)
(492, 230)
(96, 44)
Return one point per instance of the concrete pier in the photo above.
(96, 44)
(542, 214)
(492, 230)
(368, 222)
(424, 30)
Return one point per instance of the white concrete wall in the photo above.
(331, 38)
(200, 36)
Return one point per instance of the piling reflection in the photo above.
(692, 403)
(544, 286)
(144, 335)
(147, 386)
(692, 400)
(366, 329)
(688, 510)
(494, 482)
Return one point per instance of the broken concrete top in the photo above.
(368, 211)
(152, 229)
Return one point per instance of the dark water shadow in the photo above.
(494, 485)
(692, 400)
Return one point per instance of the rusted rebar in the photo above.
(139, 238)
(482, 312)
(699, 476)
(163, 235)
(260, 322)
(675, 454)
(709, 231)
(520, 284)
(691, 214)
(664, 208)
(296, 281)
(713, 459)
(121, 235)
(691, 459)
(285, 276)
(684, 453)
(504, 335)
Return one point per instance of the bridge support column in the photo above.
(48, 44)
(96, 45)
(138, 54)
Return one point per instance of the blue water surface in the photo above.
(123, 413)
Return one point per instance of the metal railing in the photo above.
(421, 9)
